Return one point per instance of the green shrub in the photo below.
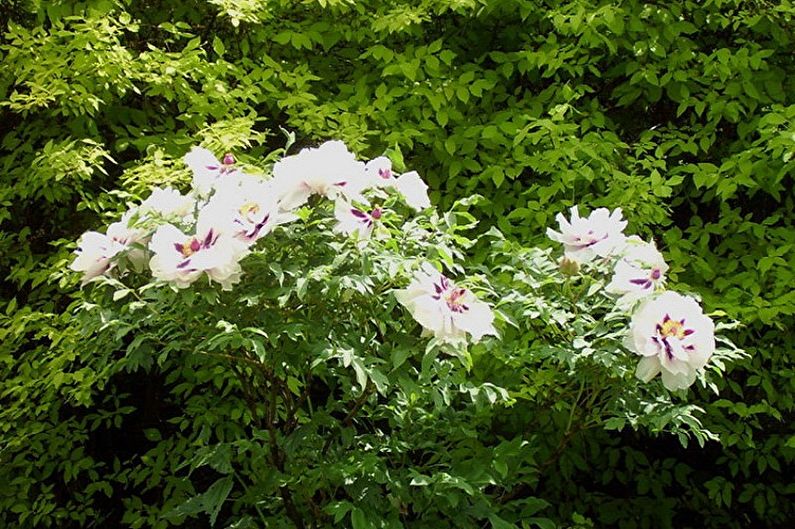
(680, 113)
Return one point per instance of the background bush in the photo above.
(682, 113)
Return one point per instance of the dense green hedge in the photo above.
(682, 113)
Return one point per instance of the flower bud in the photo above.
(229, 159)
(569, 267)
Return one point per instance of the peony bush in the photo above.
(311, 328)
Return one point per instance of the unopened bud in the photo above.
(376, 213)
(229, 159)
(569, 267)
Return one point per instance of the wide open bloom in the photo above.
(181, 259)
(329, 170)
(584, 239)
(207, 169)
(249, 209)
(413, 189)
(674, 337)
(95, 251)
(444, 309)
(351, 219)
(639, 272)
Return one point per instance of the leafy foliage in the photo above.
(680, 113)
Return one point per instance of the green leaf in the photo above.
(359, 520)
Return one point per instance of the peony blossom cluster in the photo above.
(207, 232)
(668, 330)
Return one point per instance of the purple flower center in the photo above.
(386, 174)
(670, 329)
(453, 296)
(643, 282)
(190, 247)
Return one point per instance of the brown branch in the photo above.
(292, 416)
(278, 457)
(357, 405)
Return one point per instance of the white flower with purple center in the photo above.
(410, 185)
(95, 251)
(330, 171)
(181, 259)
(352, 220)
(444, 309)
(379, 172)
(584, 239)
(250, 210)
(207, 169)
(674, 337)
(639, 272)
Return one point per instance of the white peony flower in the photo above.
(674, 337)
(207, 169)
(95, 251)
(249, 209)
(352, 220)
(584, 239)
(181, 259)
(638, 273)
(413, 189)
(448, 311)
(168, 202)
(329, 170)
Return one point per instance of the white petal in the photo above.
(379, 172)
(477, 320)
(205, 168)
(428, 313)
(648, 367)
(414, 190)
(168, 202)
(677, 381)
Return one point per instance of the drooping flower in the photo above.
(446, 310)
(181, 259)
(639, 272)
(329, 170)
(674, 337)
(167, 202)
(249, 209)
(410, 185)
(584, 239)
(96, 251)
(207, 169)
(352, 220)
